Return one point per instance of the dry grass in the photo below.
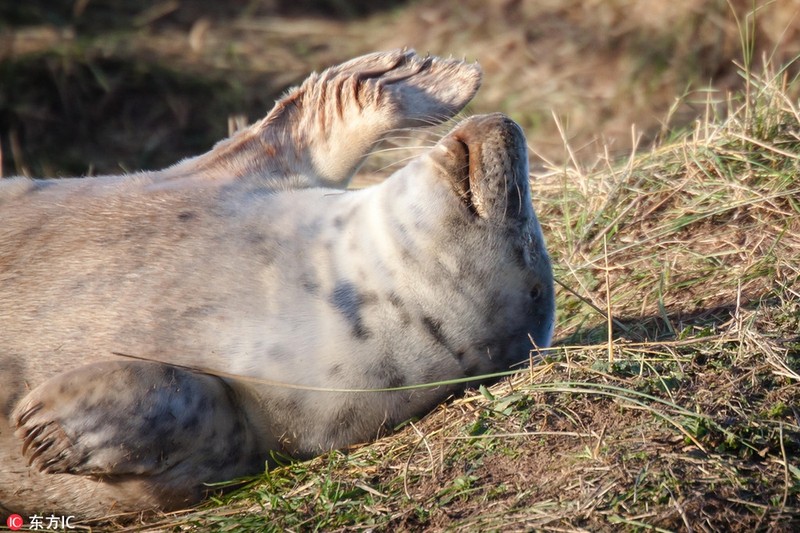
(707, 221)
(683, 415)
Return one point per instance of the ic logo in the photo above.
(15, 522)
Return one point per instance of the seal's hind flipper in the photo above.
(403, 88)
(335, 118)
(320, 132)
(137, 418)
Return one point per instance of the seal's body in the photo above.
(262, 306)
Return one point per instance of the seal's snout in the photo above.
(487, 164)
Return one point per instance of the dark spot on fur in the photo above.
(397, 303)
(395, 300)
(472, 369)
(310, 287)
(369, 298)
(402, 229)
(406, 256)
(535, 292)
(309, 284)
(388, 374)
(341, 221)
(315, 226)
(335, 370)
(455, 221)
(265, 247)
(255, 238)
(348, 301)
(191, 423)
(186, 216)
(434, 329)
(343, 423)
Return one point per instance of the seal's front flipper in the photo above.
(137, 418)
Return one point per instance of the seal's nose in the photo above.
(487, 164)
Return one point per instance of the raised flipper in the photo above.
(321, 131)
(398, 86)
(136, 418)
(348, 108)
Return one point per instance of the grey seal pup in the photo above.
(266, 308)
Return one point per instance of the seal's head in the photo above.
(468, 204)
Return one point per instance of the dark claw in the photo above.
(24, 417)
(42, 447)
(31, 436)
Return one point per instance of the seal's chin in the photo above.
(485, 158)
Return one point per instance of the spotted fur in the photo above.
(266, 305)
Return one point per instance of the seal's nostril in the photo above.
(461, 178)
